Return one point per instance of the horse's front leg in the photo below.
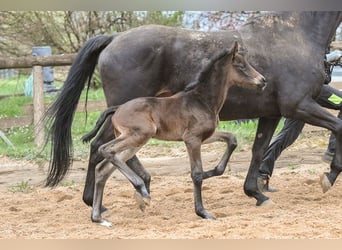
(231, 142)
(265, 130)
(194, 150)
(311, 112)
(328, 179)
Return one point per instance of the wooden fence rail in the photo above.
(31, 61)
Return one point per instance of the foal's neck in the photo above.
(212, 91)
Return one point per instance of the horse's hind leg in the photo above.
(231, 142)
(95, 158)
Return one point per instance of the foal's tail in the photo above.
(109, 111)
(60, 114)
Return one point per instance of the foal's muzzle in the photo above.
(261, 83)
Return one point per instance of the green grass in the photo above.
(23, 137)
(13, 106)
(22, 187)
(13, 86)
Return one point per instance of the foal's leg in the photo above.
(194, 150)
(95, 158)
(117, 152)
(102, 173)
(231, 142)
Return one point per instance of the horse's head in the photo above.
(240, 72)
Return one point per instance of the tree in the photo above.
(66, 31)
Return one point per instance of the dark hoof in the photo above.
(205, 215)
(267, 202)
(103, 209)
(263, 184)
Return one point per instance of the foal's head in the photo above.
(230, 66)
(240, 72)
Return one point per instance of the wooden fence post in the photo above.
(38, 105)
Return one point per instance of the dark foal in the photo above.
(190, 116)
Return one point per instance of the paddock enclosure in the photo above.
(300, 209)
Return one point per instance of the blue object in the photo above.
(48, 76)
(28, 90)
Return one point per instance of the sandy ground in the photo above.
(300, 209)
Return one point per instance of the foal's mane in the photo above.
(206, 69)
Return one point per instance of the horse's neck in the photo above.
(307, 33)
(319, 27)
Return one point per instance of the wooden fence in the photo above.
(37, 63)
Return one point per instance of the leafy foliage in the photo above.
(66, 31)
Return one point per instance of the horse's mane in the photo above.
(206, 69)
(267, 17)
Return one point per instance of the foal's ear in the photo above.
(234, 50)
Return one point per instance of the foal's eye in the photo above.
(241, 66)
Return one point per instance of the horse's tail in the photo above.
(109, 111)
(60, 114)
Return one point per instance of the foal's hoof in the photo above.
(100, 221)
(267, 202)
(325, 183)
(105, 223)
(210, 217)
(142, 201)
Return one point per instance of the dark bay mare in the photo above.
(288, 48)
(190, 116)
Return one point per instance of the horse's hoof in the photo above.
(206, 215)
(264, 203)
(103, 209)
(141, 201)
(106, 213)
(100, 221)
(325, 183)
(210, 217)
